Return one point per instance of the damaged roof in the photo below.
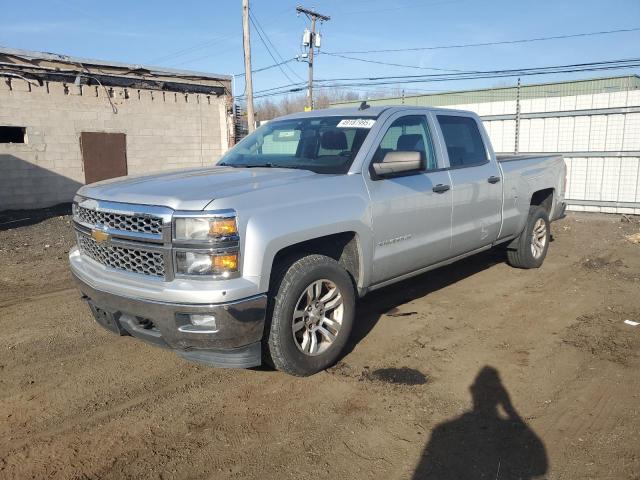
(44, 66)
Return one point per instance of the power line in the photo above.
(269, 67)
(268, 49)
(488, 72)
(498, 75)
(202, 57)
(486, 44)
(192, 48)
(273, 47)
(389, 80)
(501, 75)
(399, 79)
(366, 60)
(201, 46)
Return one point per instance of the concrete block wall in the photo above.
(164, 130)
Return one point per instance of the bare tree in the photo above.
(269, 108)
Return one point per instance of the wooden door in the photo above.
(104, 155)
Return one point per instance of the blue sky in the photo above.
(206, 35)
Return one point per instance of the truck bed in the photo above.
(523, 175)
(510, 157)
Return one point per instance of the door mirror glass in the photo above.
(398, 162)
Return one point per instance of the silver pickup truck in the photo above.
(261, 257)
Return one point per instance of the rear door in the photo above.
(411, 220)
(475, 183)
(104, 155)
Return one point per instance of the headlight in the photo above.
(204, 229)
(219, 232)
(206, 263)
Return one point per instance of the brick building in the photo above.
(69, 121)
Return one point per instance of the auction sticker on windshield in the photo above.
(356, 123)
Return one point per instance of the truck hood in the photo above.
(191, 189)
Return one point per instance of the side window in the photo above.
(463, 140)
(408, 134)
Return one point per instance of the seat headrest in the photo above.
(333, 140)
(410, 142)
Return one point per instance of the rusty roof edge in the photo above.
(130, 68)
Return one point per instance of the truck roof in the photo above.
(354, 111)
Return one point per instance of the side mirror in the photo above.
(398, 162)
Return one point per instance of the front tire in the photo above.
(530, 248)
(313, 306)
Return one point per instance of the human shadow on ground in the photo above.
(484, 443)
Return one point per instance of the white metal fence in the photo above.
(599, 135)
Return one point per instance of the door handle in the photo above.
(493, 179)
(440, 188)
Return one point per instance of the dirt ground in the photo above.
(476, 370)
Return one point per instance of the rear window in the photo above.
(463, 140)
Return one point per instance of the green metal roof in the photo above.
(540, 90)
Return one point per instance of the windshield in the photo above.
(323, 145)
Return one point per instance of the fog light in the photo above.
(203, 320)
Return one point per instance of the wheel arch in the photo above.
(344, 247)
(543, 198)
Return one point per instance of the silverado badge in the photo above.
(100, 236)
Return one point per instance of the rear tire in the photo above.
(530, 248)
(312, 310)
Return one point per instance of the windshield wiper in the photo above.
(247, 165)
(265, 165)
(258, 165)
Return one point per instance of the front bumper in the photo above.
(234, 342)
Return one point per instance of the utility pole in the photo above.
(517, 139)
(309, 40)
(248, 86)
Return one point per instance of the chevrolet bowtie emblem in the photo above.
(100, 236)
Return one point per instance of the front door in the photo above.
(475, 185)
(411, 220)
(104, 155)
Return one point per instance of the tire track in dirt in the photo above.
(72, 422)
(49, 295)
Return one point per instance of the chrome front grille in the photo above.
(125, 237)
(134, 223)
(135, 260)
